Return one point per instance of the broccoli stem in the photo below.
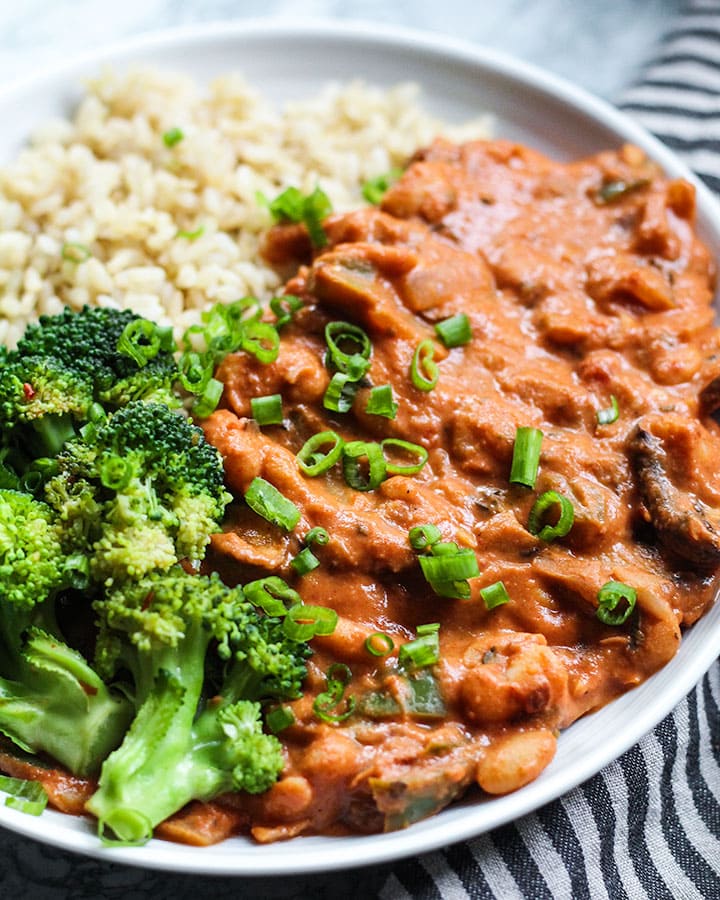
(54, 431)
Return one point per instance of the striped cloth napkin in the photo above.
(648, 826)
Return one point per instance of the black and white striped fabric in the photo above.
(648, 826)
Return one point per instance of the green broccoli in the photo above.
(65, 366)
(166, 630)
(51, 700)
(138, 492)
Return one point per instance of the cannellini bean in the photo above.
(515, 760)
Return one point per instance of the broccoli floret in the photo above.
(51, 700)
(142, 490)
(64, 367)
(166, 630)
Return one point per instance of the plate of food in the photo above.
(357, 476)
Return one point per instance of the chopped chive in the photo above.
(545, 502)
(267, 410)
(73, 252)
(424, 372)
(303, 622)
(267, 501)
(374, 189)
(353, 454)
(455, 331)
(495, 595)
(172, 137)
(394, 468)
(423, 536)
(612, 595)
(305, 561)
(526, 456)
(312, 461)
(381, 402)
(609, 415)
(279, 719)
(379, 644)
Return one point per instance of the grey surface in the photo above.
(599, 44)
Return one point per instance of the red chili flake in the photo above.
(147, 601)
(29, 391)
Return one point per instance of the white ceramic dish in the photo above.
(458, 80)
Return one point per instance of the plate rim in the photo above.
(342, 853)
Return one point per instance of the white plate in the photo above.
(292, 60)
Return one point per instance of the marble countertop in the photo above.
(599, 44)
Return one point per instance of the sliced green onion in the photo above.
(616, 189)
(612, 595)
(428, 628)
(423, 651)
(381, 402)
(285, 308)
(379, 644)
(279, 719)
(317, 536)
(142, 340)
(337, 679)
(191, 235)
(340, 393)
(172, 137)
(455, 331)
(75, 253)
(303, 622)
(353, 454)
(311, 461)
(374, 189)
(456, 566)
(267, 410)
(116, 472)
(305, 562)
(207, 401)
(273, 595)
(195, 371)
(545, 502)
(287, 206)
(26, 796)
(354, 364)
(292, 206)
(267, 501)
(609, 415)
(423, 536)
(424, 372)
(262, 340)
(526, 456)
(394, 468)
(495, 595)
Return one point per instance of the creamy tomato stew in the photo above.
(583, 302)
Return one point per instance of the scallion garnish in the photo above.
(354, 364)
(267, 410)
(395, 468)
(424, 650)
(172, 137)
(26, 796)
(195, 370)
(340, 393)
(379, 644)
(526, 456)
(191, 235)
(312, 461)
(337, 679)
(449, 562)
(279, 719)
(305, 561)
(273, 595)
(545, 502)
(73, 252)
(293, 206)
(381, 402)
(303, 622)
(207, 402)
(317, 536)
(142, 340)
(455, 331)
(285, 308)
(423, 536)
(495, 595)
(374, 189)
(424, 372)
(267, 501)
(354, 453)
(610, 414)
(261, 339)
(616, 602)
